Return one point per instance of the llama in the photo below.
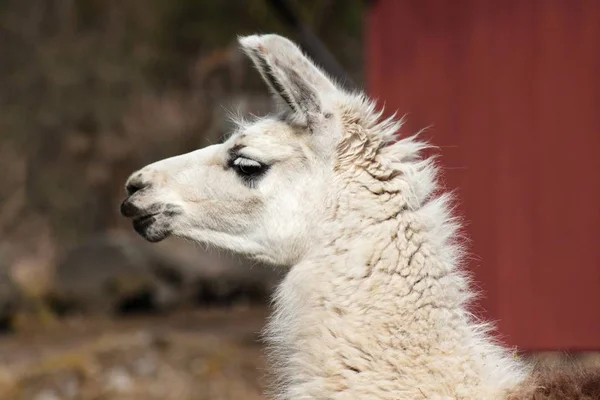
(375, 303)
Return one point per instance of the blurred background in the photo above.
(91, 90)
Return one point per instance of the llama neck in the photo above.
(393, 255)
(382, 300)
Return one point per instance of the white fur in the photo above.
(375, 303)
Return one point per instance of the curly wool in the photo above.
(380, 311)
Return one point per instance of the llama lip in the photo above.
(142, 219)
(146, 227)
(141, 224)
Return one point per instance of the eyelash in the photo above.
(249, 170)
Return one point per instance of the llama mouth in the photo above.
(150, 227)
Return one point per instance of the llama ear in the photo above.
(290, 74)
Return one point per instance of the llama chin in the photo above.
(375, 305)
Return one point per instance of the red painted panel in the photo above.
(511, 90)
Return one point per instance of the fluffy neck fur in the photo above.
(378, 310)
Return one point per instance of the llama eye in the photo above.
(247, 168)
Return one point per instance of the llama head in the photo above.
(262, 191)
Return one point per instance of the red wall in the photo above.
(512, 91)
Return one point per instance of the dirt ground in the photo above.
(188, 355)
(209, 354)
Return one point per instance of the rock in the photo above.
(11, 300)
(215, 278)
(117, 272)
(110, 273)
(47, 395)
(118, 380)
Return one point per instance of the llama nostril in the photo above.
(133, 187)
(128, 209)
